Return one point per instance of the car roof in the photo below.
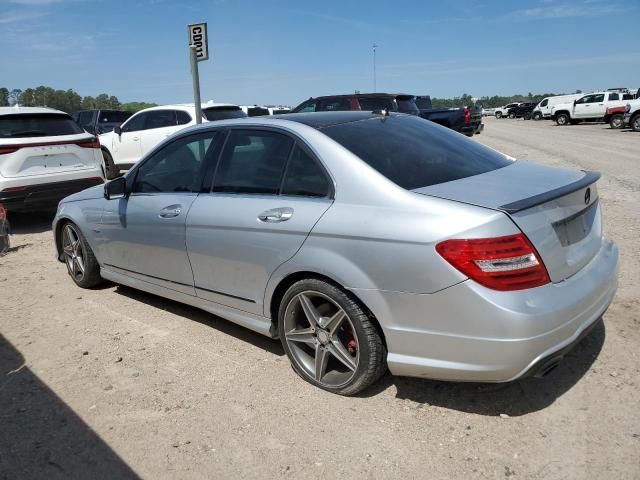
(380, 94)
(186, 106)
(25, 110)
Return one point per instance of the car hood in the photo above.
(87, 194)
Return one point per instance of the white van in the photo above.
(543, 109)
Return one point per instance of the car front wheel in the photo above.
(635, 123)
(498, 114)
(563, 119)
(79, 258)
(329, 338)
(537, 116)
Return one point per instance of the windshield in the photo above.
(223, 113)
(37, 125)
(413, 152)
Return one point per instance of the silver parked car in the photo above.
(362, 240)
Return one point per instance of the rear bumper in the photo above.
(470, 333)
(472, 127)
(44, 195)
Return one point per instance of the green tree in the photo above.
(14, 96)
(4, 97)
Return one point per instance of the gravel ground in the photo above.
(114, 383)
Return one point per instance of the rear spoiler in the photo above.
(588, 179)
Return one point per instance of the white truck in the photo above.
(632, 115)
(543, 109)
(592, 106)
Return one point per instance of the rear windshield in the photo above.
(223, 113)
(113, 116)
(423, 102)
(37, 125)
(281, 111)
(257, 111)
(413, 152)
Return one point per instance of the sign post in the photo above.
(198, 52)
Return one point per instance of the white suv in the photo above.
(44, 156)
(504, 111)
(127, 144)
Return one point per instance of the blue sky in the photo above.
(280, 51)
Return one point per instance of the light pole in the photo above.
(374, 67)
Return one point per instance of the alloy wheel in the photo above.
(321, 338)
(73, 252)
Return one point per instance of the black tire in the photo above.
(537, 116)
(527, 116)
(512, 115)
(110, 170)
(616, 121)
(87, 273)
(498, 115)
(563, 119)
(357, 325)
(634, 123)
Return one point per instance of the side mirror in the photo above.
(575, 101)
(116, 188)
(117, 130)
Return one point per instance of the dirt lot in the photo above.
(113, 383)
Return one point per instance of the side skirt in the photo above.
(253, 322)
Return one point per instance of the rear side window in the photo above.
(37, 125)
(304, 176)
(335, 105)
(614, 96)
(252, 162)
(257, 111)
(376, 103)
(160, 119)
(413, 152)
(223, 113)
(182, 117)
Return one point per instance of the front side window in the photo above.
(160, 119)
(544, 102)
(306, 107)
(175, 168)
(304, 176)
(135, 123)
(252, 162)
(335, 105)
(413, 152)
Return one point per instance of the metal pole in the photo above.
(196, 83)
(374, 67)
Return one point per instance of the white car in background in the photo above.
(44, 157)
(127, 144)
(255, 110)
(544, 108)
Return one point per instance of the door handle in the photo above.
(276, 215)
(171, 211)
(135, 139)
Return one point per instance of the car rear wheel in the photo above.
(512, 115)
(110, 168)
(616, 121)
(635, 123)
(79, 258)
(562, 119)
(329, 338)
(537, 116)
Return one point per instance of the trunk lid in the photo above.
(556, 208)
(46, 155)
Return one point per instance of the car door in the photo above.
(143, 234)
(127, 148)
(158, 125)
(256, 217)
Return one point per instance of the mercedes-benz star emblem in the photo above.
(587, 196)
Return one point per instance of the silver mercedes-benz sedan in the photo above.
(362, 240)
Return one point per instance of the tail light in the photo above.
(92, 142)
(467, 115)
(502, 263)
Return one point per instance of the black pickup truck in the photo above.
(467, 120)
